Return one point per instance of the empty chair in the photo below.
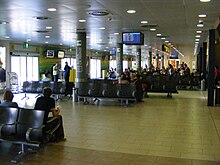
(8, 118)
(30, 125)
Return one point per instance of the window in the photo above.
(26, 68)
(95, 68)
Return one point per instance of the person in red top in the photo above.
(216, 75)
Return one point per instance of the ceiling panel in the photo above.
(176, 19)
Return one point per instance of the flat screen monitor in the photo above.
(50, 53)
(133, 38)
(174, 56)
(61, 54)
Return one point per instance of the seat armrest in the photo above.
(2, 126)
(30, 130)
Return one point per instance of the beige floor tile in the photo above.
(160, 131)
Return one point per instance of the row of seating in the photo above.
(160, 84)
(98, 89)
(58, 88)
(21, 126)
(189, 82)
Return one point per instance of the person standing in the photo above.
(66, 73)
(55, 72)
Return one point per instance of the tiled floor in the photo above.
(160, 131)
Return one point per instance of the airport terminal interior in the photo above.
(167, 116)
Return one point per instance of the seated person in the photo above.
(7, 100)
(47, 77)
(53, 125)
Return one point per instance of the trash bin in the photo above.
(203, 85)
(75, 95)
(217, 95)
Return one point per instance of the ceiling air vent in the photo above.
(101, 43)
(3, 22)
(99, 13)
(42, 31)
(42, 18)
(149, 26)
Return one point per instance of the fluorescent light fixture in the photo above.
(144, 22)
(116, 34)
(197, 39)
(163, 38)
(7, 37)
(200, 25)
(198, 36)
(202, 15)
(199, 31)
(52, 9)
(61, 44)
(159, 34)
(205, 0)
(102, 28)
(48, 27)
(82, 20)
(47, 36)
(153, 29)
(167, 41)
(131, 11)
(46, 42)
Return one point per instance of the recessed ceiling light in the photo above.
(82, 20)
(198, 31)
(3, 22)
(61, 44)
(46, 42)
(144, 21)
(200, 25)
(131, 11)
(205, 0)
(48, 27)
(52, 9)
(202, 15)
(153, 29)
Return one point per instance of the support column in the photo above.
(204, 48)
(119, 58)
(211, 64)
(81, 71)
(162, 61)
(157, 60)
(200, 61)
(150, 59)
(138, 60)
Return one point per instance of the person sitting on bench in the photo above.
(53, 125)
(7, 100)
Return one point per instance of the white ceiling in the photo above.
(176, 19)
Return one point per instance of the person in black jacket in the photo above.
(53, 125)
